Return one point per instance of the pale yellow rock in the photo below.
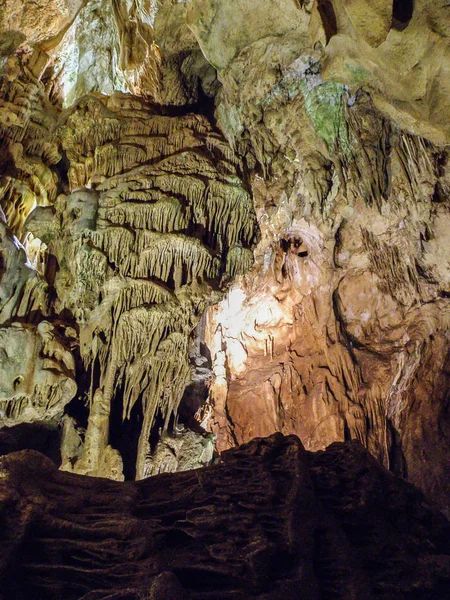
(223, 29)
(37, 374)
(38, 22)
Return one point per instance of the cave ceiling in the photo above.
(221, 220)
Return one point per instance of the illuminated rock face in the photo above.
(341, 330)
(336, 117)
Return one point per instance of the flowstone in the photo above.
(37, 374)
(37, 369)
(158, 226)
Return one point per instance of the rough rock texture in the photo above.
(37, 371)
(28, 151)
(341, 330)
(26, 25)
(270, 521)
(37, 374)
(157, 228)
(337, 121)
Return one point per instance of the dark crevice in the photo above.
(397, 462)
(439, 195)
(125, 433)
(41, 437)
(402, 12)
(328, 16)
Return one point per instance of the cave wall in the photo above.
(144, 145)
(340, 331)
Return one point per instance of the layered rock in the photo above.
(330, 335)
(158, 227)
(28, 153)
(269, 521)
(37, 371)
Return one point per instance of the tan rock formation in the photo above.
(30, 24)
(336, 115)
(28, 152)
(140, 256)
(183, 450)
(328, 336)
(37, 374)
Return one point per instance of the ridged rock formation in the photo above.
(143, 145)
(271, 521)
(167, 227)
(341, 331)
(156, 227)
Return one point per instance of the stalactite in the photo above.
(140, 247)
(166, 215)
(238, 261)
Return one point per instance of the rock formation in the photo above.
(158, 225)
(156, 153)
(270, 521)
(341, 329)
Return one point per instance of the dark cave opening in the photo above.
(124, 434)
(328, 16)
(402, 12)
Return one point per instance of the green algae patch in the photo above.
(324, 105)
(357, 73)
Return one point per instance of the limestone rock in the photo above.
(183, 450)
(158, 225)
(271, 521)
(35, 22)
(29, 153)
(327, 335)
(37, 374)
(22, 289)
(88, 58)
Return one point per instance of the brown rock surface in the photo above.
(337, 120)
(270, 521)
(329, 336)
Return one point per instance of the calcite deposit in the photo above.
(157, 225)
(282, 165)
